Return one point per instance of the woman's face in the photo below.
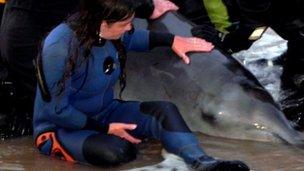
(115, 30)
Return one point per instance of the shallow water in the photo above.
(19, 154)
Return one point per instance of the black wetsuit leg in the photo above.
(20, 38)
(24, 24)
(108, 150)
(162, 120)
(86, 146)
(1, 11)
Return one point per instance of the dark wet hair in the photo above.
(86, 25)
(87, 20)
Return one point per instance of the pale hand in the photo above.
(182, 45)
(120, 130)
(161, 7)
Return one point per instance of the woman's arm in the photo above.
(143, 40)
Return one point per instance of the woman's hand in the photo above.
(161, 7)
(120, 130)
(182, 45)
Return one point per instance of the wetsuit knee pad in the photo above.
(48, 144)
(107, 150)
(167, 114)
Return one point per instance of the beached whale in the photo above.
(215, 93)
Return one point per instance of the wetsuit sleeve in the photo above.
(143, 40)
(157, 39)
(59, 109)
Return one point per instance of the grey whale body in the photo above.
(215, 93)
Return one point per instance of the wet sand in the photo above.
(19, 154)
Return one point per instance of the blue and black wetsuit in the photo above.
(24, 24)
(74, 124)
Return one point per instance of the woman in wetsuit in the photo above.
(24, 24)
(76, 116)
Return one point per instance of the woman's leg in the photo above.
(1, 11)
(163, 121)
(20, 37)
(86, 147)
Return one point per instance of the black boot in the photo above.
(206, 163)
(15, 112)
